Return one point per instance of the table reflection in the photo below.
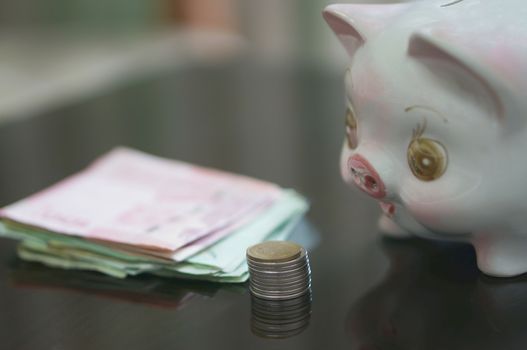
(434, 297)
(279, 319)
(145, 289)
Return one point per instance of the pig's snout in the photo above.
(365, 176)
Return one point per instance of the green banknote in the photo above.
(223, 261)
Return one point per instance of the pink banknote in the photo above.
(136, 199)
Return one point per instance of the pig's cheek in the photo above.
(427, 215)
(411, 221)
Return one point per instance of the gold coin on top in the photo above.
(277, 251)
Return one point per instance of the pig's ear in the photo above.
(466, 76)
(354, 24)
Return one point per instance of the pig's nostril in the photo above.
(370, 183)
(364, 176)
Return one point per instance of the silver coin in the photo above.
(266, 314)
(278, 266)
(301, 254)
(265, 295)
(279, 274)
(279, 281)
(279, 292)
(274, 251)
(281, 317)
(302, 258)
(281, 311)
(278, 289)
(289, 318)
(281, 304)
(288, 285)
(292, 286)
(281, 314)
(294, 266)
(279, 297)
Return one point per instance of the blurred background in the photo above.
(248, 86)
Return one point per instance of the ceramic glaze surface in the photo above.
(436, 125)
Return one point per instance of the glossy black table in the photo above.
(279, 123)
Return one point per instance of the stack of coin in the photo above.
(278, 270)
(280, 318)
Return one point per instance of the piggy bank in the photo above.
(436, 120)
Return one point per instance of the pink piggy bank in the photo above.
(436, 120)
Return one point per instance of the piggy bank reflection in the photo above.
(437, 101)
(426, 301)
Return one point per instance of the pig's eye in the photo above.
(427, 158)
(351, 128)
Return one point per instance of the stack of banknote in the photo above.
(130, 213)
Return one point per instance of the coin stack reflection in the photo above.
(280, 318)
(278, 270)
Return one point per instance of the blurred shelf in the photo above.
(42, 72)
